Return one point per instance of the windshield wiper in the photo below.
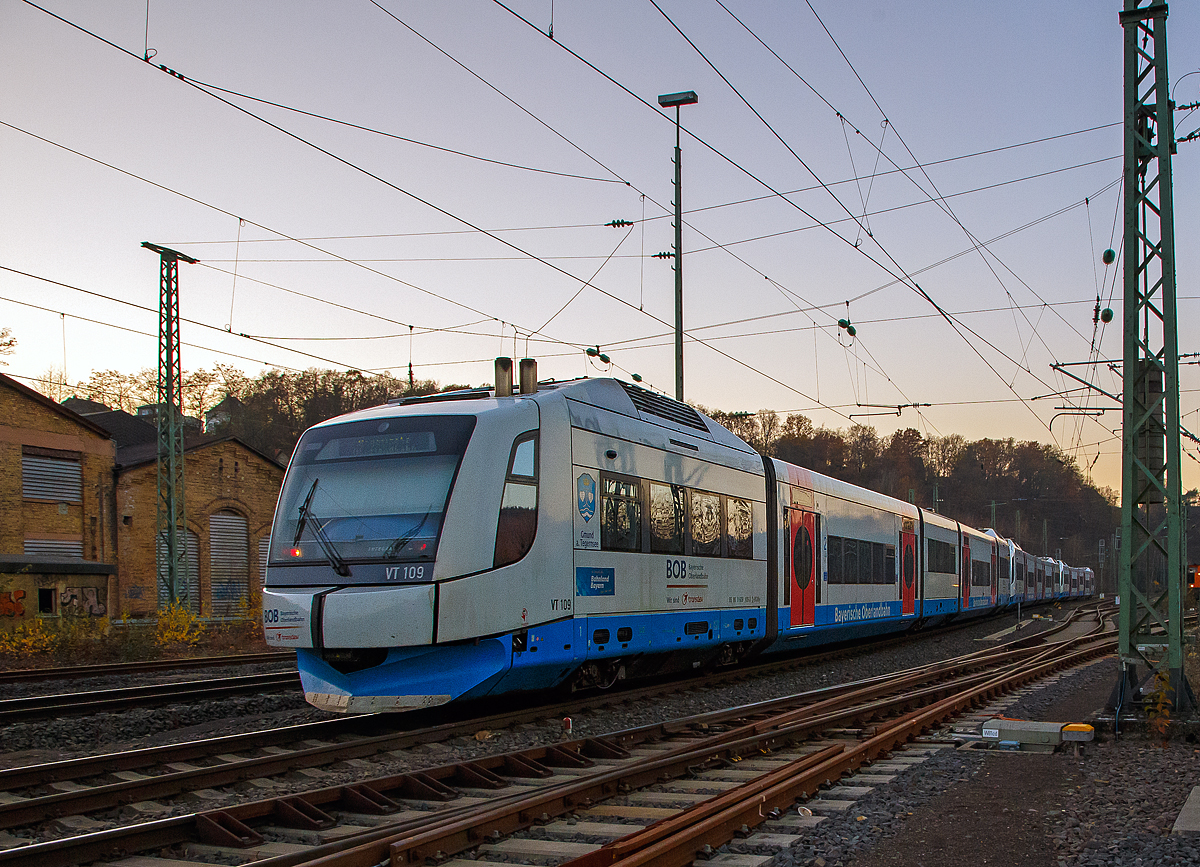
(303, 519)
(397, 546)
(339, 564)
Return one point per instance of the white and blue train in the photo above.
(579, 533)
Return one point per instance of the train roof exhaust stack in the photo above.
(528, 375)
(504, 379)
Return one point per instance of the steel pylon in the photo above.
(170, 536)
(1152, 557)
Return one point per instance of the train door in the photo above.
(908, 569)
(804, 567)
(964, 581)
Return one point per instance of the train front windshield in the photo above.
(368, 491)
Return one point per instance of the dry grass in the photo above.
(63, 641)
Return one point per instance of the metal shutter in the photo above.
(229, 563)
(264, 548)
(192, 602)
(51, 479)
(54, 547)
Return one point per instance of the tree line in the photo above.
(1037, 493)
(271, 409)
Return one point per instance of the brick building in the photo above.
(230, 493)
(58, 548)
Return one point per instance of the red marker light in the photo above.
(296, 552)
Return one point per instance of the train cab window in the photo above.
(518, 506)
(705, 524)
(620, 513)
(739, 523)
(667, 510)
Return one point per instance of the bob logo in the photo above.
(586, 489)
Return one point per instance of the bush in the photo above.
(31, 638)
(178, 628)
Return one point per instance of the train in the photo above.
(573, 534)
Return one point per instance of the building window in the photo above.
(187, 573)
(56, 479)
(229, 563)
(46, 597)
(54, 547)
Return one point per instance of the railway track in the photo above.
(39, 707)
(93, 784)
(415, 815)
(39, 675)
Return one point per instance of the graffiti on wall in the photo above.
(82, 600)
(10, 603)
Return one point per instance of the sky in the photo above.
(373, 184)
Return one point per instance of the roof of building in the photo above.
(132, 456)
(127, 429)
(37, 396)
(53, 564)
(83, 406)
(228, 403)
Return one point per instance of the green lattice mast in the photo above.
(171, 525)
(1152, 560)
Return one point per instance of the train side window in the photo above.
(620, 513)
(517, 526)
(889, 565)
(850, 561)
(835, 559)
(667, 508)
(981, 574)
(705, 524)
(866, 562)
(739, 533)
(943, 557)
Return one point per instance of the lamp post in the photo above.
(667, 100)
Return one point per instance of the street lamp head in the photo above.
(669, 100)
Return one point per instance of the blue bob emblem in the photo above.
(587, 496)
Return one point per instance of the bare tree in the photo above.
(53, 383)
(8, 344)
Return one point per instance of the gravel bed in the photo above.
(1119, 800)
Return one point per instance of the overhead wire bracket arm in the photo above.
(1090, 385)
